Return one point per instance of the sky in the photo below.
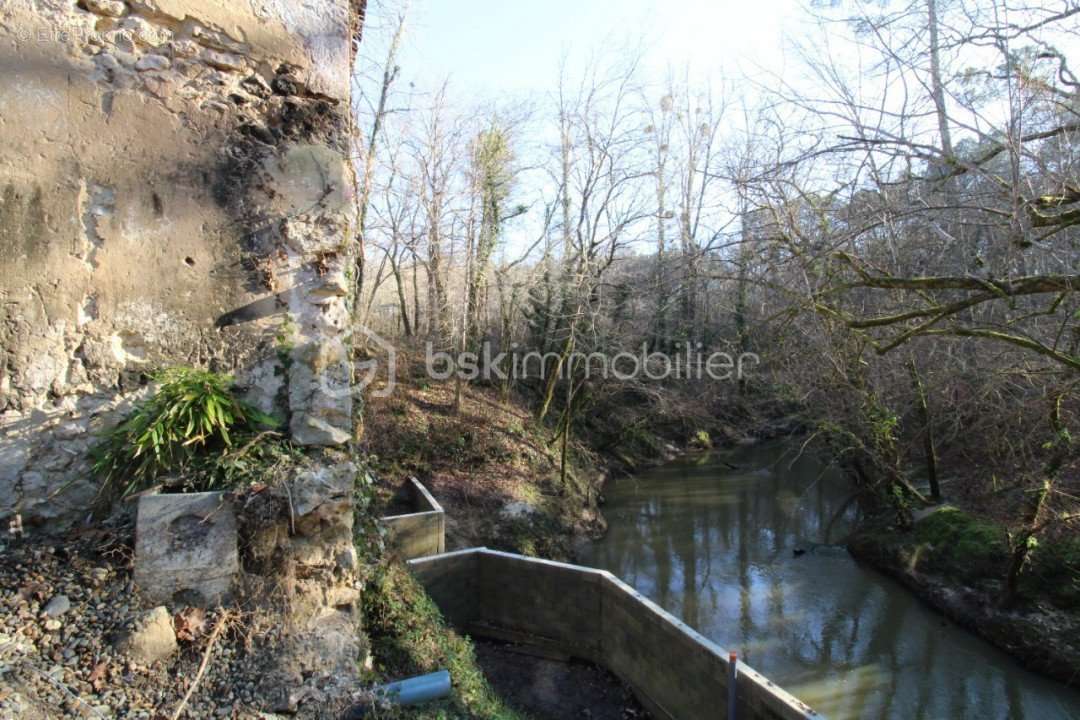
(512, 48)
(509, 51)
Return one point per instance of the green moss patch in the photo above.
(973, 551)
(701, 440)
(954, 543)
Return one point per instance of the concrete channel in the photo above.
(674, 671)
(420, 532)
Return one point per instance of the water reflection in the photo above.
(715, 546)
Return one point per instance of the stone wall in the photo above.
(174, 189)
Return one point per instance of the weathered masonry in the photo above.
(174, 189)
(591, 614)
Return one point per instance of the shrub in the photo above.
(1055, 572)
(193, 430)
(961, 545)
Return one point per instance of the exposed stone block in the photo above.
(185, 549)
(109, 8)
(224, 61)
(320, 394)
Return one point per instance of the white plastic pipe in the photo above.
(416, 690)
(410, 691)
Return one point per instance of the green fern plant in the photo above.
(186, 431)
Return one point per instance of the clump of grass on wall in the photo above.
(193, 434)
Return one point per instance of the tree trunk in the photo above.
(416, 292)
(395, 267)
(553, 379)
(937, 87)
(926, 418)
(390, 73)
(1022, 543)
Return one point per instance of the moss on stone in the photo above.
(701, 440)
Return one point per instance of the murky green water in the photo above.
(714, 546)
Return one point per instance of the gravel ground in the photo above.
(64, 604)
(62, 607)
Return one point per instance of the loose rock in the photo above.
(57, 606)
(151, 638)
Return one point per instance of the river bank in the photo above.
(498, 470)
(490, 464)
(954, 562)
(937, 561)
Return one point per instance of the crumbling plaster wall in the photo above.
(174, 189)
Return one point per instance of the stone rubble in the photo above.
(74, 666)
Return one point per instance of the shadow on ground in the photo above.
(548, 689)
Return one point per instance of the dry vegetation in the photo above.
(480, 460)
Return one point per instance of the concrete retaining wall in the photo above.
(591, 614)
(419, 533)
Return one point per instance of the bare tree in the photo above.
(378, 113)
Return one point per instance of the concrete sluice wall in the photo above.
(419, 533)
(591, 614)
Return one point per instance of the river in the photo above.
(715, 546)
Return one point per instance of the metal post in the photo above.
(732, 677)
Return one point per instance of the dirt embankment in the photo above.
(491, 465)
